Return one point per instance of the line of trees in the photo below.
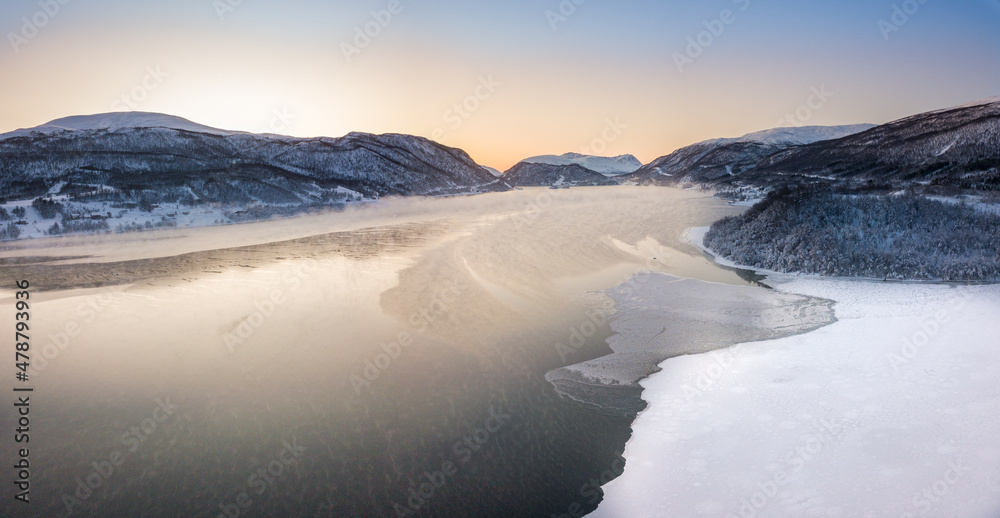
(815, 230)
(9, 232)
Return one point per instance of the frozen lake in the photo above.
(387, 360)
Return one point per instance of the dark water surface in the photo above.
(379, 362)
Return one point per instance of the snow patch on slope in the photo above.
(795, 136)
(117, 121)
(608, 166)
(949, 146)
(493, 171)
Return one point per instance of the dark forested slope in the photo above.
(818, 231)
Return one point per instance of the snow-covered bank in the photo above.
(696, 237)
(894, 411)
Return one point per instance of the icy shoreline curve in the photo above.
(659, 316)
(894, 410)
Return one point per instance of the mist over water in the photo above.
(388, 359)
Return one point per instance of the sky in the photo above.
(501, 80)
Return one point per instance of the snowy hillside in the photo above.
(526, 174)
(877, 237)
(495, 172)
(980, 102)
(796, 136)
(609, 166)
(956, 147)
(117, 121)
(721, 160)
(93, 172)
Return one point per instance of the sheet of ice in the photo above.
(660, 316)
(894, 410)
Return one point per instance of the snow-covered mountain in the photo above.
(958, 147)
(717, 160)
(527, 174)
(493, 171)
(608, 166)
(796, 136)
(117, 121)
(570, 169)
(155, 155)
(980, 102)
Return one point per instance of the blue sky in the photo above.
(262, 65)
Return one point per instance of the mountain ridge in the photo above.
(608, 166)
(957, 148)
(115, 121)
(162, 159)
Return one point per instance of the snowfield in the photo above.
(117, 121)
(892, 411)
(608, 166)
(121, 220)
(796, 136)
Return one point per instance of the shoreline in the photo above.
(493, 294)
(689, 393)
(690, 323)
(695, 236)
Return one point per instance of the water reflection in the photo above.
(379, 354)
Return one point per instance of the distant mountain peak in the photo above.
(608, 166)
(795, 135)
(116, 121)
(166, 157)
(981, 102)
(493, 171)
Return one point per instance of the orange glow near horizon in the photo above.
(571, 90)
